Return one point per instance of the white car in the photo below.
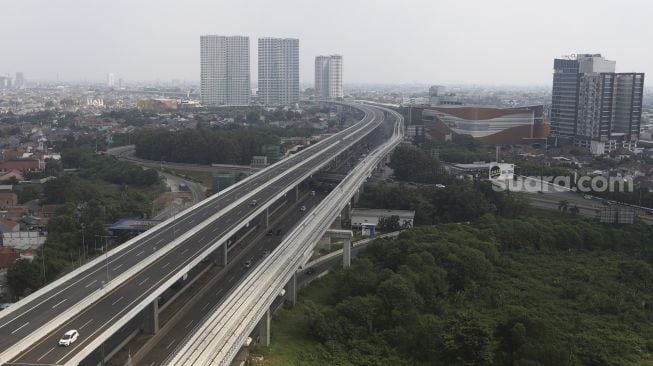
(68, 338)
(303, 208)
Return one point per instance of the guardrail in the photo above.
(221, 335)
(143, 302)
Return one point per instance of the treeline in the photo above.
(203, 145)
(103, 167)
(461, 149)
(459, 202)
(532, 291)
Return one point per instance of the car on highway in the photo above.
(587, 197)
(269, 233)
(312, 193)
(69, 338)
(253, 203)
(248, 263)
(303, 208)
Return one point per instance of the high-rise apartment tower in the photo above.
(278, 71)
(328, 77)
(224, 70)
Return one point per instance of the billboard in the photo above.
(501, 171)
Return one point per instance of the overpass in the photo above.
(223, 331)
(101, 296)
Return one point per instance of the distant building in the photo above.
(111, 80)
(278, 71)
(224, 70)
(8, 199)
(489, 125)
(158, 104)
(593, 106)
(19, 81)
(22, 165)
(328, 77)
(371, 216)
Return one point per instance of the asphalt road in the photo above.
(102, 314)
(212, 297)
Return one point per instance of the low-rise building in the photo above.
(371, 216)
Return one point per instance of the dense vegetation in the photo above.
(103, 190)
(461, 149)
(536, 291)
(203, 145)
(463, 201)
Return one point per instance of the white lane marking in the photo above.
(159, 241)
(184, 251)
(59, 303)
(205, 306)
(165, 265)
(116, 267)
(227, 220)
(219, 292)
(201, 239)
(188, 325)
(90, 284)
(24, 325)
(142, 282)
(171, 343)
(85, 324)
(214, 230)
(232, 278)
(117, 301)
(139, 253)
(45, 354)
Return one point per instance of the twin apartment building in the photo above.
(225, 72)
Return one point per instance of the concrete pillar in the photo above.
(151, 319)
(346, 253)
(264, 329)
(337, 223)
(291, 290)
(356, 197)
(265, 217)
(346, 213)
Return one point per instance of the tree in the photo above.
(468, 341)
(389, 224)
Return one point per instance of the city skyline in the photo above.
(139, 41)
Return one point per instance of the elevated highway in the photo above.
(223, 331)
(104, 294)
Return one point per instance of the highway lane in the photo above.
(166, 343)
(44, 307)
(119, 301)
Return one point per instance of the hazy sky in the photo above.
(402, 41)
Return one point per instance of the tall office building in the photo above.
(224, 70)
(278, 71)
(19, 80)
(111, 80)
(593, 106)
(328, 77)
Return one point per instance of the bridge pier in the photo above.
(291, 290)
(264, 329)
(265, 218)
(151, 319)
(347, 235)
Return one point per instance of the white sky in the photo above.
(402, 41)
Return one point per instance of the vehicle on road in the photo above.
(587, 197)
(248, 263)
(303, 208)
(253, 203)
(312, 193)
(440, 186)
(269, 233)
(69, 338)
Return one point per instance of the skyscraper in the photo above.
(328, 76)
(278, 71)
(111, 80)
(594, 107)
(19, 81)
(224, 75)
